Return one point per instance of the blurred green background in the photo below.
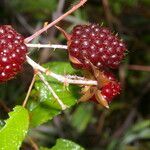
(127, 124)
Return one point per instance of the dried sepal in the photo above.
(101, 99)
(74, 60)
(100, 77)
(88, 94)
(67, 36)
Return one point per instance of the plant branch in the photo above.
(47, 46)
(29, 90)
(4, 106)
(139, 67)
(30, 38)
(58, 77)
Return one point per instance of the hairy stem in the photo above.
(47, 46)
(61, 78)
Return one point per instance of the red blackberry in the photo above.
(111, 90)
(12, 52)
(95, 44)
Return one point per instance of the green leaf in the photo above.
(44, 148)
(144, 134)
(43, 106)
(140, 130)
(15, 129)
(81, 118)
(140, 125)
(2, 123)
(38, 9)
(63, 144)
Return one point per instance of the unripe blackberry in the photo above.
(95, 44)
(12, 52)
(111, 90)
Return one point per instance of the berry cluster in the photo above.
(12, 52)
(91, 47)
(97, 45)
(94, 45)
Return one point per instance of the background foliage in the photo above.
(126, 125)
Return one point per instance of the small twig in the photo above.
(63, 106)
(127, 123)
(33, 144)
(101, 122)
(58, 77)
(4, 106)
(24, 23)
(47, 46)
(55, 15)
(30, 38)
(29, 90)
(59, 10)
(107, 12)
(139, 67)
(132, 114)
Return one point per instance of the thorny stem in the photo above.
(61, 78)
(30, 38)
(63, 106)
(47, 46)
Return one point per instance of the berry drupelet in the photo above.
(12, 52)
(110, 91)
